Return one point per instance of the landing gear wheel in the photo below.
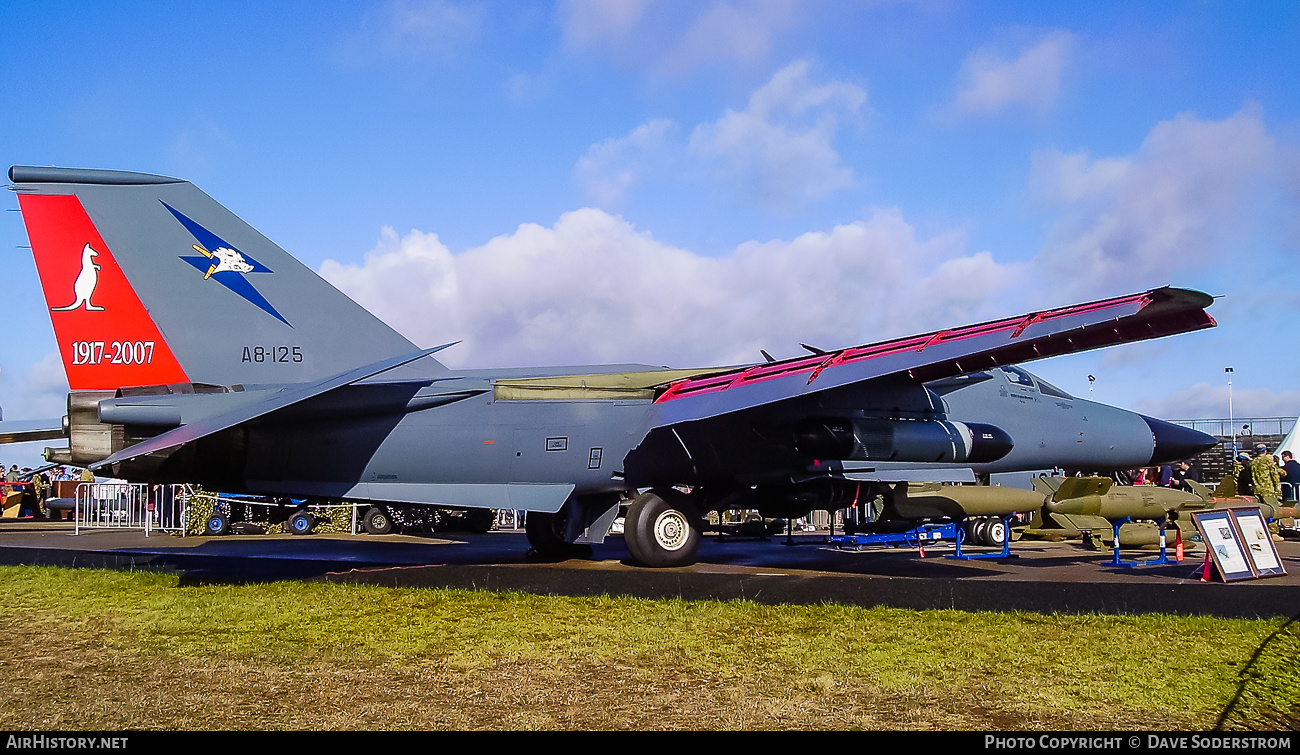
(663, 529)
(376, 521)
(995, 534)
(980, 531)
(217, 524)
(302, 523)
(546, 536)
(479, 520)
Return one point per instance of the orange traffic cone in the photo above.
(1205, 572)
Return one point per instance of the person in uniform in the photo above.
(13, 475)
(38, 494)
(1241, 471)
(1266, 477)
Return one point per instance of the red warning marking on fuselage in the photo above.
(106, 337)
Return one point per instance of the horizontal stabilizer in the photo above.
(23, 431)
(279, 400)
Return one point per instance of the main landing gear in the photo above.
(377, 521)
(546, 536)
(662, 528)
(570, 532)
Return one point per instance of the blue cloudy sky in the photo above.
(686, 182)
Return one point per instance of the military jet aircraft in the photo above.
(199, 351)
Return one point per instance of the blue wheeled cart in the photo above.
(913, 538)
(922, 534)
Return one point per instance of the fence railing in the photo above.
(1224, 427)
(132, 506)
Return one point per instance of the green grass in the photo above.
(1193, 668)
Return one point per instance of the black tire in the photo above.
(479, 520)
(377, 521)
(629, 537)
(979, 532)
(218, 524)
(546, 536)
(302, 523)
(663, 529)
(995, 534)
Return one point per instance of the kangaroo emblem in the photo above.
(84, 287)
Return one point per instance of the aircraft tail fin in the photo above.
(149, 281)
(1202, 491)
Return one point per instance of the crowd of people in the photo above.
(1262, 474)
(1267, 475)
(36, 487)
(1167, 476)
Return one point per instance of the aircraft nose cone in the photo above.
(988, 443)
(1175, 442)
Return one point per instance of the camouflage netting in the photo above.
(201, 504)
(1268, 694)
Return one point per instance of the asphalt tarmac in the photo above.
(1042, 577)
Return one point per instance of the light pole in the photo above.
(1231, 422)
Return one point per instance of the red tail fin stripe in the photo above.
(106, 337)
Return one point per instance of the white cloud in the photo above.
(611, 167)
(778, 152)
(1136, 353)
(741, 32)
(406, 28)
(526, 87)
(47, 376)
(1205, 401)
(1174, 208)
(593, 289)
(990, 83)
(39, 392)
(679, 36)
(197, 146)
(1060, 179)
(593, 22)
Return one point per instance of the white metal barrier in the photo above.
(509, 519)
(128, 506)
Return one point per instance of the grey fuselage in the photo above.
(452, 439)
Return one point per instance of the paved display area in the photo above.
(1045, 577)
